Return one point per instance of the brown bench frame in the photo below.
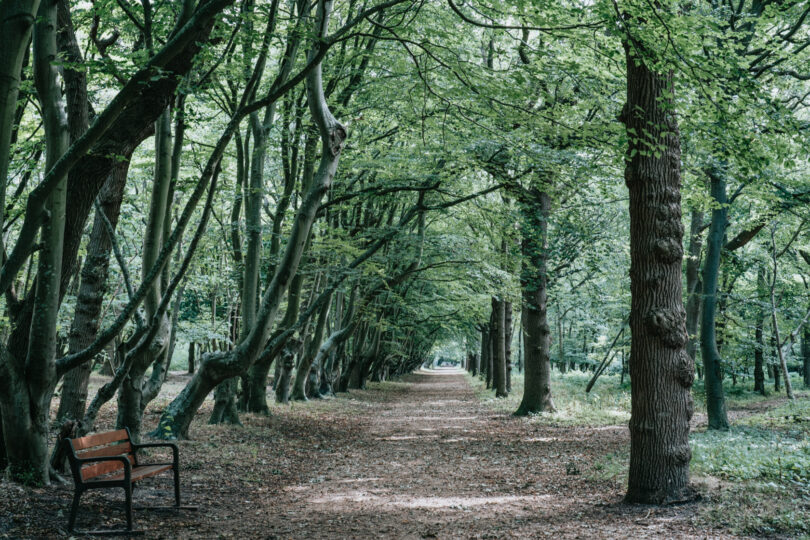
(101, 449)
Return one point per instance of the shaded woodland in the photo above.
(230, 209)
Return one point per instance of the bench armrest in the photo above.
(175, 449)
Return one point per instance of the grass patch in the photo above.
(758, 479)
(608, 403)
(792, 417)
(750, 453)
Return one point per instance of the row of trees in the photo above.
(323, 193)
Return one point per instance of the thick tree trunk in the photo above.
(224, 405)
(86, 317)
(536, 331)
(25, 403)
(712, 364)
(662, 372)
(16, 24)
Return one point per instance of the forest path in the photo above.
(426, 459)
(422, 457)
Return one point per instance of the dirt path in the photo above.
(421, 458)
(429, 461)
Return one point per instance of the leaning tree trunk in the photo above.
(715, 400)
(178, 415)
(536, 331)
(86, 316)
(661, 371)
(313, 351)
(25, 403)
(16, 23)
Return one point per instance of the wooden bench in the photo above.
(110, 460)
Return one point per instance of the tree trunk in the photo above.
(806, 356)
(498, 348)
(216, 368)
(306, 363)
(192, 355)
(536, 331)
(715, 399)
(16, 24)
(484, 361)
(759, 342)
(87, 314)
(561, 346)
(25, 403)
(507, 310)
(661, 371)
(224, 405)
(693, 283)
(130, 396)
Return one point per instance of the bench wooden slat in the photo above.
(139, 473)
(104, 467)
(104, 451)
(100, 439)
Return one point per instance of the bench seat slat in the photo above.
(103, 467)
(100, 439)
(139, 473)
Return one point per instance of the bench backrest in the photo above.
(109, 443)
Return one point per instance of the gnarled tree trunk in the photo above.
(661, 371)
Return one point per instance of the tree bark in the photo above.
(536, 331)
(25, 409)
(16, 25)
(311, 355)
(499, 348)
(507, 349)
(712, 363)
(759, 341)
(662, 372)
(87, 314)
(693, 284)
(130, 397)
(484, 361)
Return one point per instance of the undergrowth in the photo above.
(608, 403)
(755, 476)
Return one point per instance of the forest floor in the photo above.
(424, 457)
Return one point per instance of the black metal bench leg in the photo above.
(74, 509)
(128, 494)
(176, 487)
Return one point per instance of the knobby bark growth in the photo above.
(661, 371)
